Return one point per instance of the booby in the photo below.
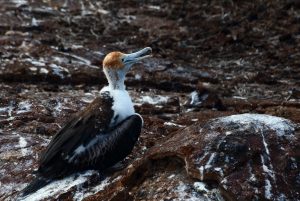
(99, 136)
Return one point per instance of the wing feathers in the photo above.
(82, 127)
(121, 139)
(85, 147)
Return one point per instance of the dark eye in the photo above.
(123, 59)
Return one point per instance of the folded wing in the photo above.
(84, 147)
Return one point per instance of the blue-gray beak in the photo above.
(137, 56)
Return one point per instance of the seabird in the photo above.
(99, 136)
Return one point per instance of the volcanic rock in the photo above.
(237, 157)
(211, 59)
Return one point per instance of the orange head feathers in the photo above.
(114, 60)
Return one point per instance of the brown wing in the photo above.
(100, 152)
(94, 119)
(107, 148)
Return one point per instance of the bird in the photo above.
(99, 136)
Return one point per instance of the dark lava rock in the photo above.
(238, 157)
(254, 157)
(248, 156)
(204, 98)
(18, 153)
(248, 52)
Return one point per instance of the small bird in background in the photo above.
(99, 136)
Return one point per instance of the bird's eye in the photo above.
(123, 59)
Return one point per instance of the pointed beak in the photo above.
(137, 56)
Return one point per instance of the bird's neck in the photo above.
(115, 79)
(116, 85)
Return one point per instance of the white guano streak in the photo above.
(23, 144)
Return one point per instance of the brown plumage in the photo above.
(89, 122)
(113, 60)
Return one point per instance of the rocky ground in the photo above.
(211, 59)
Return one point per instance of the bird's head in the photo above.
(117, 64)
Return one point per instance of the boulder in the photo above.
(247, 156)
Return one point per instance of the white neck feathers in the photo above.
(115, 78)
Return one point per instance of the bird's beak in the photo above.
(137, 56)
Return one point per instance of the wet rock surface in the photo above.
(211, 60)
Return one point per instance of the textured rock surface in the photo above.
(211, 60)
(248, 156)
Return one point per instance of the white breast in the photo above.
(122, 105)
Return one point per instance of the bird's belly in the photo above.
(122, 106)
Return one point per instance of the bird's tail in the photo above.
(36, 184)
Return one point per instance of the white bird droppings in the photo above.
(58, 186)
(44, 71)
(173, 124)
(59, 71)
(200, 186)
(152, 100)
(23, 107)
(23, 144)
(282, 127)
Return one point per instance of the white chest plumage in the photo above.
(122, 105)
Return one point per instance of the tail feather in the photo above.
(35, 185)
